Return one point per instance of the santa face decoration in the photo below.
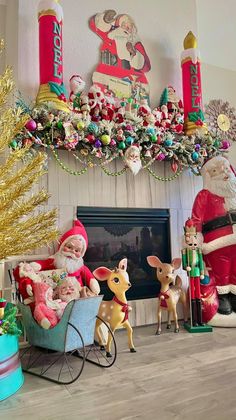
(69, 290)
(77, 84)
(74, 248)
(220, 180)
(133, 160)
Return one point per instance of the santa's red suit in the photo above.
(111, 63)
(218, 225)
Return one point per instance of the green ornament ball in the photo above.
(105, 139)
(59, 125)
(216, 143)
(153, 138)
(121, 145)
(13, 144)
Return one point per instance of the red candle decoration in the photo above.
(192, 89)
(50, 17)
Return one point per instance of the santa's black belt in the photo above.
(228, 220)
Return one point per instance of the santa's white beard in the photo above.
(121, 38)
(68, 261)
(226, 189)
(134, 166)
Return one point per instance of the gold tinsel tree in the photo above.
(21, 229)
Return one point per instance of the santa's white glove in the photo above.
(29, 290)
(94, 286)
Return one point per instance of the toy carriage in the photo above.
(59, 354)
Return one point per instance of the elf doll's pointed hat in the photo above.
(76, 232)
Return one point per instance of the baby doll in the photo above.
(68, 290)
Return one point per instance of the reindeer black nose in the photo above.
(129, 284)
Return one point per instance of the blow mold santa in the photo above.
(69, 257)
(214, 214)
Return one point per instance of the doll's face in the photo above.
(74, 248)
(68, 291)
(191, 241)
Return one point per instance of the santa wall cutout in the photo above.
(123, 60)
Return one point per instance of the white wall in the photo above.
(162, 33)
(162, 27)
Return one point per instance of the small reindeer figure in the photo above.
(169, 295)
(115, 312)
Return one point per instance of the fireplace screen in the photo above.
(116, 233)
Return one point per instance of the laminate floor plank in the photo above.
(172, 376)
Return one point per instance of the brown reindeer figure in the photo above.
(115, 312)
(169, 294)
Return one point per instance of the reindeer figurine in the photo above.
(169, 295)
(115, 312)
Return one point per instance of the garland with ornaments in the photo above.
(113, 119)
(137, 135)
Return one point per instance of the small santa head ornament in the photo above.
(132, 159)
(77, 85)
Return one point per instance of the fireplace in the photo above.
(116, 233)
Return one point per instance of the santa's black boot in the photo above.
(233, 301)
(194, 313)
(225, 307)
(199, 312)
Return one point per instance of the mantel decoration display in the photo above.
(113, 118)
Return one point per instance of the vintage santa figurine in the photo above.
(72, 247)
(214, 214)
(77, 85)
(123, 56)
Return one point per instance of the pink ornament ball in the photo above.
(161, 156)
(31, 125)
(225, 144)
(113, 143)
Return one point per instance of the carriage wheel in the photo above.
(96, 354)
(59, 367)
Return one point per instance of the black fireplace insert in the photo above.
(134, 233)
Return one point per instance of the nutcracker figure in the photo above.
(192, 262)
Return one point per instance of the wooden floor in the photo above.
(172, 376)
